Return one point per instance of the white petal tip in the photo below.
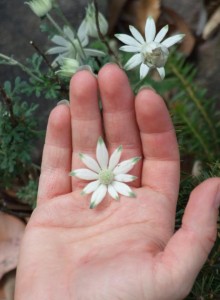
(136, 159)
(132, 195)
(82, 193)
(120, 148)
(72, 173)
(92, 205)
(100, 140)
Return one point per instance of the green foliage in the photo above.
(193, 113)
(18, 130)
(28, 193)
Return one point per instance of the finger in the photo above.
(118, 113)
(188, 249)
(56, 162)
(85, 116)
(160, 150)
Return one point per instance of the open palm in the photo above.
(121, 249)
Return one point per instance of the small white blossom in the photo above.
(88, 25)
(107, 174)
(152, 52)
(71, 46)
(40, 7)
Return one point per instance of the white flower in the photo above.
(69, 67)
(71, 46)
(152, 52)
(108, 174)
(40, 7)
(88, 25)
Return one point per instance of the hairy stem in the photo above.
(13, 62)
(101, 36)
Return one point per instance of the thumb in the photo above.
(188, 249)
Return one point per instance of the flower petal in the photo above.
(102, 153)
(144, 69)
(161, 34)
(125, 166)
(56, 50)
(133, 62)
(161, 71)
(123, 189)
(130, 49)
(90, 187)
(84, 174)
(82, 30)
(69, 33)
(98, 195)
(150, 30)
(59, 40)
(127, 39)
(173, 40)
(90, 162)
(93, 52)
(136, 34)
(112, 191)
(114, 158)
(125, 177)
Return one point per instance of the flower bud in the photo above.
(40, 7)
(68, 68)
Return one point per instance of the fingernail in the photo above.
(113, 64)
(86, 68)
(63, 102)
(147, 87)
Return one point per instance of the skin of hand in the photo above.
(123, 249)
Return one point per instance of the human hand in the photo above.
(120, 250)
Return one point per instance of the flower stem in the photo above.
(11, 61)
(101, 36)
(54, 23)
(61, 15)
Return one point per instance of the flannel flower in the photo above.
(88, 25)
(152, 52)
(40, 7)
(72, 46)
(108, 175)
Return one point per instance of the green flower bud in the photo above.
(40, 7)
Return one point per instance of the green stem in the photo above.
(61, 14)
(14, 62)
(193, 97)
(196, 134)
(54, 23)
